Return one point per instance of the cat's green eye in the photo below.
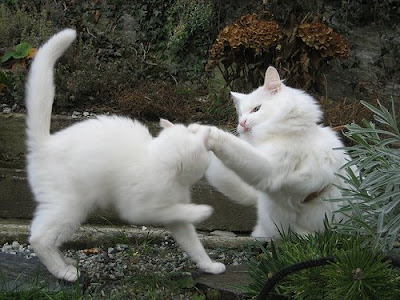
(257, 108)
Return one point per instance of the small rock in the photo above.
(122, 247)
(86, 114)
(14, 107)
(6, 110)
(76, 114)
(15, 245)
(223, 233)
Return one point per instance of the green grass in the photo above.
(35, 289)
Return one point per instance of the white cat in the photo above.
(106, 161)
(283, 162)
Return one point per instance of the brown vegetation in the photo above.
(154, 100)
(343, 112)
(246, 48)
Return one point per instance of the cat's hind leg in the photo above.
(186, 236)
(190, 213)
(51, 226)
(177, 213)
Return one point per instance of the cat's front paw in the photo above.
(213, 268)
(212, 136)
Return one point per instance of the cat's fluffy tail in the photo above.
(40, 89)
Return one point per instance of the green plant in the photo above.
(360, 273)
(371, 200)
(12, 76)
(189, 20)
(12, 83)
(34, 288)
(21, 51)
(357, 271)
(158, 286)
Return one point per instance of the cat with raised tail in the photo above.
(283, 161)
(107, 161)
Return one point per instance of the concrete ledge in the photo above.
(89, 236)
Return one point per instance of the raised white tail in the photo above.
(40, 89)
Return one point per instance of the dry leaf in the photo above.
(91, 251)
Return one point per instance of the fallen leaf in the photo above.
(91, 251)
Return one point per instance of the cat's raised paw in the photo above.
(213, 268)
(212, 136)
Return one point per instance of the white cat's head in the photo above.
(274, 108)
(185, 153)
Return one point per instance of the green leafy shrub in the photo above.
(372, 199)
(22, 23)
(24, 27)
(189, 21)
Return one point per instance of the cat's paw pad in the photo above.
(213, 268)
(200, 213)
(69, 273)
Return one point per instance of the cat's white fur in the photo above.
(284, 162)
(107, 161)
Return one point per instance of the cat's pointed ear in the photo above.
(272, 81)
(237, 97)
(164, 123)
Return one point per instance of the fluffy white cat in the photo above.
(106, 161)
(284, 161)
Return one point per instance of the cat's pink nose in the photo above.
(243, 124)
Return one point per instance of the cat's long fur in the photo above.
(284, 161)
(107, 161)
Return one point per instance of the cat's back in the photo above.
(111, 128)
(103, 139)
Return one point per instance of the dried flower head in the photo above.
(323, 38)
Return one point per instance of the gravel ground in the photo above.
(145, 270)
